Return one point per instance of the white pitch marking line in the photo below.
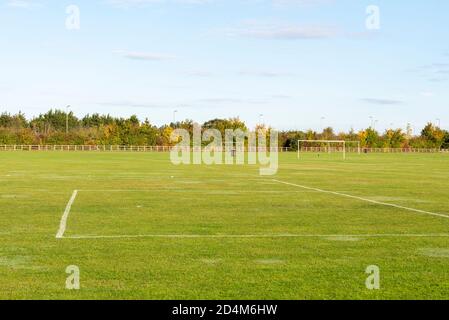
(65, 215)
(196, 236)
(365, 199)
(186, 191)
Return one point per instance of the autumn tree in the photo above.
(433, 135)
(394, 138)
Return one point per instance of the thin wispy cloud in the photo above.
(199, 103)
(281, 96)
(136, 3)
(433, 72)
(437, 80)
(290, 32)
(427, 94)
(199, 73)
(265, 74)
(283, 31)
(381, 101)
(250, 73)
(143, 3)
(143, 105)
(129, 104)
(364, 35)
(232, 101)
(301, 2)
(22, 4)
(145, 56)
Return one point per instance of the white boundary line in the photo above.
(253, 236)
(65, 215)
(365, 199)
(185, 191)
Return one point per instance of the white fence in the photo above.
(116, 148)
(373, 150)
(98, 148)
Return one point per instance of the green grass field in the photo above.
(142, 228)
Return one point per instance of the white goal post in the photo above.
(329, 142)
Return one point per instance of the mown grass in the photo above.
(144, 194)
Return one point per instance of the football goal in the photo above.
(328, 146)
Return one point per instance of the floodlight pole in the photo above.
(174, 116)
(67, 120)
(321, 123)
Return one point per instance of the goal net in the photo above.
(328, 146)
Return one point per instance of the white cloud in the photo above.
(131, 104)
(145, 56)
(301, 2)
(24, 4)
(232, 101)
(266, 74)
(133, 3)
(140, 3)
(381, 101)
(261, 30)
(199, 73)
(291, 32)
(427, 94)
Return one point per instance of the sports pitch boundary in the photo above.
(65, 216)
(364, 199)
(256, 236)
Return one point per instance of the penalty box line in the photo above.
(255, 236)
(65, 216)
(63, 223)
(364, 199)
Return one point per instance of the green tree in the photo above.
(289, 139)
(54, 120)
(327, 134)
(394, 138)
(369, 138)
(13, 121)
(434, 135)
(445, 144)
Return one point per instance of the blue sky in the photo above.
(294, 61)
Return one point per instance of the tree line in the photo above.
(57, 127)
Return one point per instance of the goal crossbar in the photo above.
(343, 142)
